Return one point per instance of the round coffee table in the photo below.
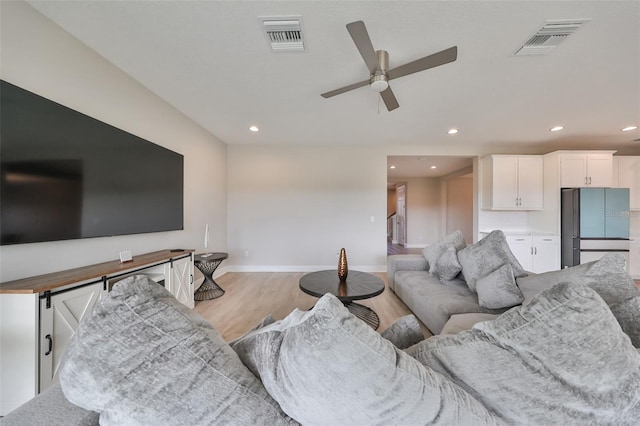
(358, 286)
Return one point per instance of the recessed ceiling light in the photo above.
(254, 129)
(452, 131)
(434, 167)
(392, 167)
(629, 128)
(556, 128)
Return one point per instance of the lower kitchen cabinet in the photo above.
(536, 253)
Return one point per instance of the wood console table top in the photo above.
(53, 280)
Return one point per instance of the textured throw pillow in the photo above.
(326, 367)
(498, 289)
(404, 332)
(432, 252)
(447, 265)
(607, 276)
(628, 315)
(561, 358)
(143, 358)
(485, 256)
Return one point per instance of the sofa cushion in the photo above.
(142, 357)
(607, 276)
(462, 322)
(447, 266)
(499, 289)
(50, 408)
(485, 256)
(404, 332)
(327, 367)
(434, 301)
(628, 315)
(432, 252)
(561, 358)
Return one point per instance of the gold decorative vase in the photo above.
(343, 267)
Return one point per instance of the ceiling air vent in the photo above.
(550, 36)
(284, 34)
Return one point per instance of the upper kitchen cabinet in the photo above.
(628, 176)
(512, 182)
(579, 169)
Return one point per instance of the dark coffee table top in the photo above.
(358, 286)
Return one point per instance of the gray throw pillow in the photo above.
(327, 367)
(561, 358)
(447, 265)
(498, 289)
(432, 252)
(404, 332)
(143, 358)
(607, 276)
(628, 315)
(482, 258)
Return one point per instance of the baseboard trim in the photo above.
(415, 245)
(300, 268)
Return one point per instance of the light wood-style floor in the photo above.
(251, 296)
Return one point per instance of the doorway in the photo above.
(434, 197)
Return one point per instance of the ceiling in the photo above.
(211, 60)
(411, 166)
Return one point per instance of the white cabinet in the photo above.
(536, 253)
(512, 182)
(580, 169)
(60, 315)
(628, 176)
(179, 280)
(634, 256)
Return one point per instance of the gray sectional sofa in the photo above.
(567, 355)
(432, 300)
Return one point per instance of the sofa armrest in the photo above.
(404, 262)
(50, 408)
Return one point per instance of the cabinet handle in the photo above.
(48, 337)
(535, 249)
(531, 250)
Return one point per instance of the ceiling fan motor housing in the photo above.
(380, 80)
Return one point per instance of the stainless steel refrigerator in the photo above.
(594, 222)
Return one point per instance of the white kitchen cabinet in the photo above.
(536, 253)
(634, 256)
(628, 176)
(582, 169)
(512, 182)
(60, 316)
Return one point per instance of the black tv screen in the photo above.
(66, 175)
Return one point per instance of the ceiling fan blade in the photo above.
(389, 99)
(360, 37)
(437, 59)
(345, 89)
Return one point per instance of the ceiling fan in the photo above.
(378, 64)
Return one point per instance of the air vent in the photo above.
(550, 36)
(284, 34)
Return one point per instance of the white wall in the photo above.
(39, 56)
(459, 206)
(293, 208)
(423, 211)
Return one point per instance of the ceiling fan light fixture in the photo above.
(379, 83)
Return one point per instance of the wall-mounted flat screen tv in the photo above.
(66, 175)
